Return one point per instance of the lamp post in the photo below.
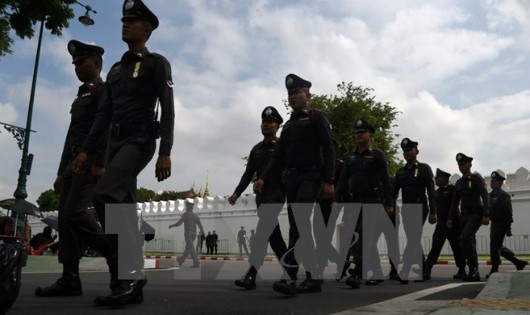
(18, 132)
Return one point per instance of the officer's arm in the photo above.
(509, 208)
(101, 122)
(429, 184)
(65, 156)
(328, 149)
(479, 182)
(101, 148)
(164, 90)
(248, 175)
(385, 180)
(342, 183)
(453, 211)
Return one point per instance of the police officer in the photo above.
(415, 180)
(306, 153)
(472, 198)
(78, 225)
(190, 220)
(270, 201)
(444, 196)
(501, 216)
(364, 179)
(134, 84)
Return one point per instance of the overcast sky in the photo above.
(456, 70)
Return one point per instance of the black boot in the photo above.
(354, 280)
(249, 281)
(68, 285)
(460, 275)
(492, 271)
(126, 292)
(287, 287)
(473, 275)
(345, 268)
(521, 264)
(393, 275)
(309, 285)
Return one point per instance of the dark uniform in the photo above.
(444, 197)
(306, 154)
(215, 243)
(472, 197)
(417, 187)
(364, 179)
(501, 216)
(134, 84)
(273, 195)
(78, 225)
(392, 238)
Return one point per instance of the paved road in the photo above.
(210, 290)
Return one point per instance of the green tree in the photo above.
(22, 15)
(170, 195)
(48, 201)
(144, 195)
(351, 103)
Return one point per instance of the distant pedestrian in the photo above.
(215, 242)
(242, 241)
(191, 221)
(209, 246)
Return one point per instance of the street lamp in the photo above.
(20, 192)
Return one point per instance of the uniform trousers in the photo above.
(270, 203)
(440, 235)
(128, 156)
(497, 233)
(301, 197)
(78, 225)
(470, 223)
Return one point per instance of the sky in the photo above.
(457, 71)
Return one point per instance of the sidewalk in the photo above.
(505, 293)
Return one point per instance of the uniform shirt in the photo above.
(470, 194)
(500, 205)
(259, 157)
(414, 182)
(444, 197)
(305, 143)
(364, 176)
(133, 86)
(82, 116)
(191, 221)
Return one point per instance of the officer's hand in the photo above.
(389, 210)
(449, 223)
(97, 172)
(232, 199)
(328, 191)
(258, 186)
(58, 184)
(509, 231)
(485, 220)
(432, 218)
(163, 167)
(78, 163)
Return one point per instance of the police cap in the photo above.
(362, 125)
(80, 50)
(136, 9)
(294, 82)
(461, 158)
(497, 175)
(270, 113)
(440, 173)
(406, 144)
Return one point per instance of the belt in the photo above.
(125, 129)
(293, 171)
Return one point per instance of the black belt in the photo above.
(131, 129)
(293, 171)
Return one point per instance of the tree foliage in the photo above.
(22, 15)
(144, 195)
(171, 195)
(351, 103)
(48, 201)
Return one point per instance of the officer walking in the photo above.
(134, 84)
(472, 198)
(270, 201)
(415, 180)
(444, 196)
(306, 153)
(191, 221)
(364, 179)
(501, 216)
(78, 225)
